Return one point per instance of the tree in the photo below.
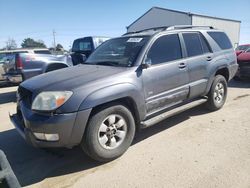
(31, 43)
(10, 44)
(59, 47)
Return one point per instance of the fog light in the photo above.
(47, 137)
(52, 137)
(40, 136)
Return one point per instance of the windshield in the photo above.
(118, 52)
(243, 47)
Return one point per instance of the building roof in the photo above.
(187, 13)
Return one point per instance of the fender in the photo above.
(211, 78)
(115, 92)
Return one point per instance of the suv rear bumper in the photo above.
(70, 127)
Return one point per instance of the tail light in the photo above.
(19, 63)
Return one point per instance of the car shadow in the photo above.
(32, 165)
(7, 97)
(239, 84)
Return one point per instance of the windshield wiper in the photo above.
(108, 63)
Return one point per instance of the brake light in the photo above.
(19, 63)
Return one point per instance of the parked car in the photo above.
(5, 56)
(242, 48)
(128, 83)
(83, 47)
(244, 65)
(22, 66)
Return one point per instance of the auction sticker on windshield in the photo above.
(134, 39)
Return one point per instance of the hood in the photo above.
(70, 78)
(245, 56)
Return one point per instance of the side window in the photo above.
(166, 48)
(193, 44)
(204, 43)
(221, 39)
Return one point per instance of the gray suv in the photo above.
(128, 83)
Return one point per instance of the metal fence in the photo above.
(7, 176)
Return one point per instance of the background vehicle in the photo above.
(6, 55)
(128, 83)
(22, 66)
(83, 47)
(243, 60)
(242, 48)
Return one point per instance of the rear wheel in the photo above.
(217, 94)
(109, 133)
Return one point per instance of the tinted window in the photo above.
(84, 44)
(221, 39)
(193, 44)
(164, 49)
(204, 43)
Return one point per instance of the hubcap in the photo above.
(112, 131)
(219, 92)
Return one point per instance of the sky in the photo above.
(78, 18)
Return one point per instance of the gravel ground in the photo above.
(193, 149)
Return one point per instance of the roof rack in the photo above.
(188, 27)
(168, 28)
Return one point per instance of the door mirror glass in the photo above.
(147, 63)
(84, 58)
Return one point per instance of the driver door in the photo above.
(166, 79)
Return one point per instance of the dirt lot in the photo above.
(193, 149)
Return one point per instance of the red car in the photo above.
(241, 48)
(243, 60)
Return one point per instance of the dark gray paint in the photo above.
(151, 89)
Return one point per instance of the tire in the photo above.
(217, 94)
(109, 133)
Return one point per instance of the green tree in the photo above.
(31, 43)
(59, 47)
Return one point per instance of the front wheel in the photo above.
(217, 94)
(109, 133)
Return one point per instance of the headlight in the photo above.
(50, 100)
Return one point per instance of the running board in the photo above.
(172, 112)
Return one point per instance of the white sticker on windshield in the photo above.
(134, 39)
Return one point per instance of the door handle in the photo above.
(182, 65)
(209, 58)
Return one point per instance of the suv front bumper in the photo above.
(70, 127)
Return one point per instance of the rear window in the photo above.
(84, 44)
(221, 39)
(42, 52)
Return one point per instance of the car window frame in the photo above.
(154, 40)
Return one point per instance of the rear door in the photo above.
(166, 80)
(199, 56)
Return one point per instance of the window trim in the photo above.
(153, 41)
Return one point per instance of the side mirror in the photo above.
(147, 63)
(84, 58)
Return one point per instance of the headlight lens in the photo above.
(50, 100)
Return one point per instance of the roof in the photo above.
(23, 49)
(181, 12)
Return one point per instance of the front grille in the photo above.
(25, 96)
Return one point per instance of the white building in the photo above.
(159, 17)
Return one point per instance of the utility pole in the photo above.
(54, 37)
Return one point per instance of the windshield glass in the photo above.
(243, 47)
(118, 52)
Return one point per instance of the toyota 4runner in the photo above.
(128, 83)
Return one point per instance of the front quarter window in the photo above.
(118, 52)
